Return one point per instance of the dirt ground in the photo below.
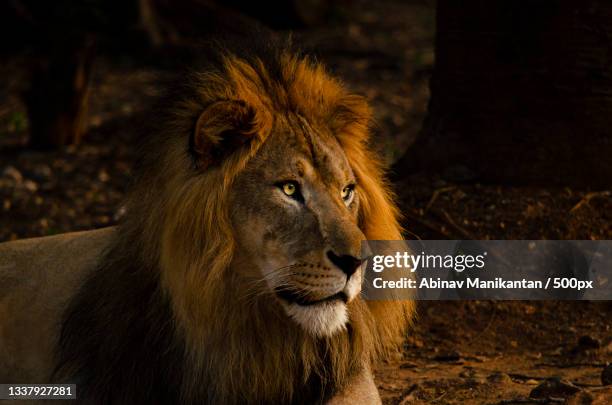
(458, 352)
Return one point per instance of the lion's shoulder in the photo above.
(37, 278)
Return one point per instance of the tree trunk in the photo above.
(521, 93)
(58, 96)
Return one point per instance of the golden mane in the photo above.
(178, 224)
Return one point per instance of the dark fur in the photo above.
(118, 343)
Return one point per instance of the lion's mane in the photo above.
(161, 320)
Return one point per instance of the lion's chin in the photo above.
(322, 319)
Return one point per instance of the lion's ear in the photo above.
(222, 128)
(351, 117)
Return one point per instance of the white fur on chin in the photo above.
(322, 320)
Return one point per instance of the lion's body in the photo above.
(195, 299)
(38, 277)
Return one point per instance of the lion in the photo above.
(235, 276)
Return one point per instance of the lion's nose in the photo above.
(347, 263)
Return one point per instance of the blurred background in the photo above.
(494, 117)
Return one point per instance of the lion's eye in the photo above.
(291, 189)
(347, 193)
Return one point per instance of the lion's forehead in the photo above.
(308, 152)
